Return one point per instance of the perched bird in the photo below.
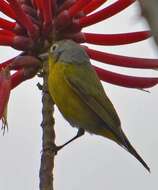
(79, 95)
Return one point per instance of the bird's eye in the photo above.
(53, 48)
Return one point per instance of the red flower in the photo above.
(37, 23)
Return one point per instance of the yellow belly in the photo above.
(74, 110)
(68, 102)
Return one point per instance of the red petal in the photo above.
(6, 63)
(6, 33)
(29, 10)
(7, 24)
(22, 75)
(125, 80)
(47, 16)
(25, 61)
(17, 78)
(38, 4)
(6, 40)
(22, 43)
(63, 19)
(66, 5)
(105, 13)
(27, 2)
(24, 20)
(5, 87)
(6, 9)
(116, 39)
(93, 5)
(73, 10)
(77, 37)
(17, 42)
(123, 61)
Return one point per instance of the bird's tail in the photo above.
(127, 145)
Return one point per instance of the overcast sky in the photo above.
(91, 162)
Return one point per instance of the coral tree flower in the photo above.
(35, 24)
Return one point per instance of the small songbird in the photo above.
(79, 95)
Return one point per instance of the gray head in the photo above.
(68, 51)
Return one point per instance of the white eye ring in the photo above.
(53, 47)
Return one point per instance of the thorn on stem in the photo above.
(40, 86)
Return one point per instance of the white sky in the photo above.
(91, 162)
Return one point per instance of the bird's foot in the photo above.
(53, 149)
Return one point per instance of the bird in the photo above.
(79, 95)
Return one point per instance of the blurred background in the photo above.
(91, 162)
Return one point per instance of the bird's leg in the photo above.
(79, 134)
(57, 148)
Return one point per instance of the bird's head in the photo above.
(69, 52)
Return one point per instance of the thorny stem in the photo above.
(48, 139)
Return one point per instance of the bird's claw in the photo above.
(54, 150)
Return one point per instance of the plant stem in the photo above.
(48, 139)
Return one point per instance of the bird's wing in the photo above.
(85, 82)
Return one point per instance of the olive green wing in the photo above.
(85, 82)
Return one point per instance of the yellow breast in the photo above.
(68, 102)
